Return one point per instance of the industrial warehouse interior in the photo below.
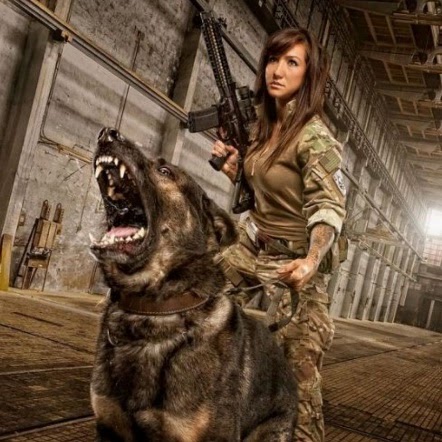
(71, 67)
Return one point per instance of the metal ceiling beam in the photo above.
(434, 163)
(420, 143)
(418, 125)
(371, 27)
(412, 93)
(433, 104)
(421, 6)
(410, 118)
(426, 149)
(408, 57)
(396, 11)
(417, 19)
(428, 188)
(430, 58)
(430, 195)
(427, 97)
(430, 149)
(427, 175)
(425, 67)
(377, 7)
(389, 54)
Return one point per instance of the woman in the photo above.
(293, 167)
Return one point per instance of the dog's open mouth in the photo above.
(127, 219)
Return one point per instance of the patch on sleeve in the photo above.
(339, 180)
(330, 161)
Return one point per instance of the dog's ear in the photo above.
(223, 225)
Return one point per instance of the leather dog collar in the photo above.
(176, 304)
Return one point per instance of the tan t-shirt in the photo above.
(302, 188)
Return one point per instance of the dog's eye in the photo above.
(165, 171)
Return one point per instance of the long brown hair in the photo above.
(309, 99)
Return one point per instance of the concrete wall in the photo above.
(157, 40)
(13, 33)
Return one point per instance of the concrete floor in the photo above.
(381, 381)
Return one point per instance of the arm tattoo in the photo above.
(321, 239)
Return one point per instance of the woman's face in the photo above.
(285, 73)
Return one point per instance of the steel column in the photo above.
(352, 295)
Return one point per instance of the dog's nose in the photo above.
(109, 134)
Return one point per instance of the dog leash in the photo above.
(271, 311)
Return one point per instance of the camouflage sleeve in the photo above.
(319, 157)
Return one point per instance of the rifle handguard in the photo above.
(217, 162)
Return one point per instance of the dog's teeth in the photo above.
(111, 182)
(111, 192)
(98, 170)
(129, 239)
(91, 237)
(122, 170)
(116, 161)
(139, 234)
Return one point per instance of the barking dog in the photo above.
(176, 360)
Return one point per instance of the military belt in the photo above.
(267, 243)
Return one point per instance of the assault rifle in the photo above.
(233, 113)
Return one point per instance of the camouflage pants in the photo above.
(304, 340)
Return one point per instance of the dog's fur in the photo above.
(208, 374)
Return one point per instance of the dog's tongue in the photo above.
(123, 231)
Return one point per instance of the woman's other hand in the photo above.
(230, 167)
(298, 272)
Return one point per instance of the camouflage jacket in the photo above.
(303, 187)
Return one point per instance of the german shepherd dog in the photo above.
(176, 360)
